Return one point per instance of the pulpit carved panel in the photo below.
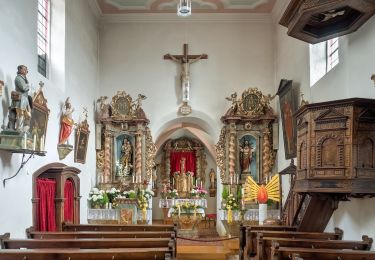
(336, 147)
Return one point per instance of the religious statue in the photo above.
(66, 122)
(212, 176)
(20, 109)
(126, 157)
(183, 180)
(235, 102)
(246, 156)
(138, 102)
(66, 128)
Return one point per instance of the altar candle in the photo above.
(41, 146)
(34, 142)
(133, 178)
(231, 179)
(238, 178)
(25, 141)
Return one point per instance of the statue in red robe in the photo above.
(66, 123)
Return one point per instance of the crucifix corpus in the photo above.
(185, 60)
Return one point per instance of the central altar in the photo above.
(185, 213)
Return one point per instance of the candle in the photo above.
(34, 142)
(231, 179)
(133, 178)
(41, 146)
(238, 178)
(25, 141)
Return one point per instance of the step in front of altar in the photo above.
(203, 252)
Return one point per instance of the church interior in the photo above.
(232, 129)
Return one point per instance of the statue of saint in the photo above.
(212, 176)
(126, 156)
(66, 122)
(246, 156)
(183, 181)
(20, 109)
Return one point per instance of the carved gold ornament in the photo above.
(122, 105)
(252, 103)
(150, 154)
(220, 154)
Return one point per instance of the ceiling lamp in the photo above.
(184, 8)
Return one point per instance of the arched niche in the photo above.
(60, 173)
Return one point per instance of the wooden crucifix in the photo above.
(185, 60)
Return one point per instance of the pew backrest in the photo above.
(281, 253)
(88, 254)
(264, 244)
(103, 234)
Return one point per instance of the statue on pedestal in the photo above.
(183, 179)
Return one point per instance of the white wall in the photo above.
(240, 56)
(351, 78)
(74, 66)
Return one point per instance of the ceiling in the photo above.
(198, 6)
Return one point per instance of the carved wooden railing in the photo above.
(291, 212)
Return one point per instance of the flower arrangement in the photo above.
(130, 194)
(112, 194)
(231, 203)
(185, 207)
(169, 193)
(143, 201)
(198, 192)
(98, 198)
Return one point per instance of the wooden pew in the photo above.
(245, 229)
(88, 254)
(251, 237)
(103, 234)
(264, 244)
(280, 253)
(116, 227)
(96, 243)
(87, 243)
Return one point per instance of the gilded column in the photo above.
(232, 156)
(138, 157)
(198, 173)
(107, 157)
(267, 155)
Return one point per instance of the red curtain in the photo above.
(175, 160)
(46, 189)
(69, 200)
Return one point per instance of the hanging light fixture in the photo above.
(184, 8)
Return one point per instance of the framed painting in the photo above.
(81, 142)
(39, 120)
(288, 99)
